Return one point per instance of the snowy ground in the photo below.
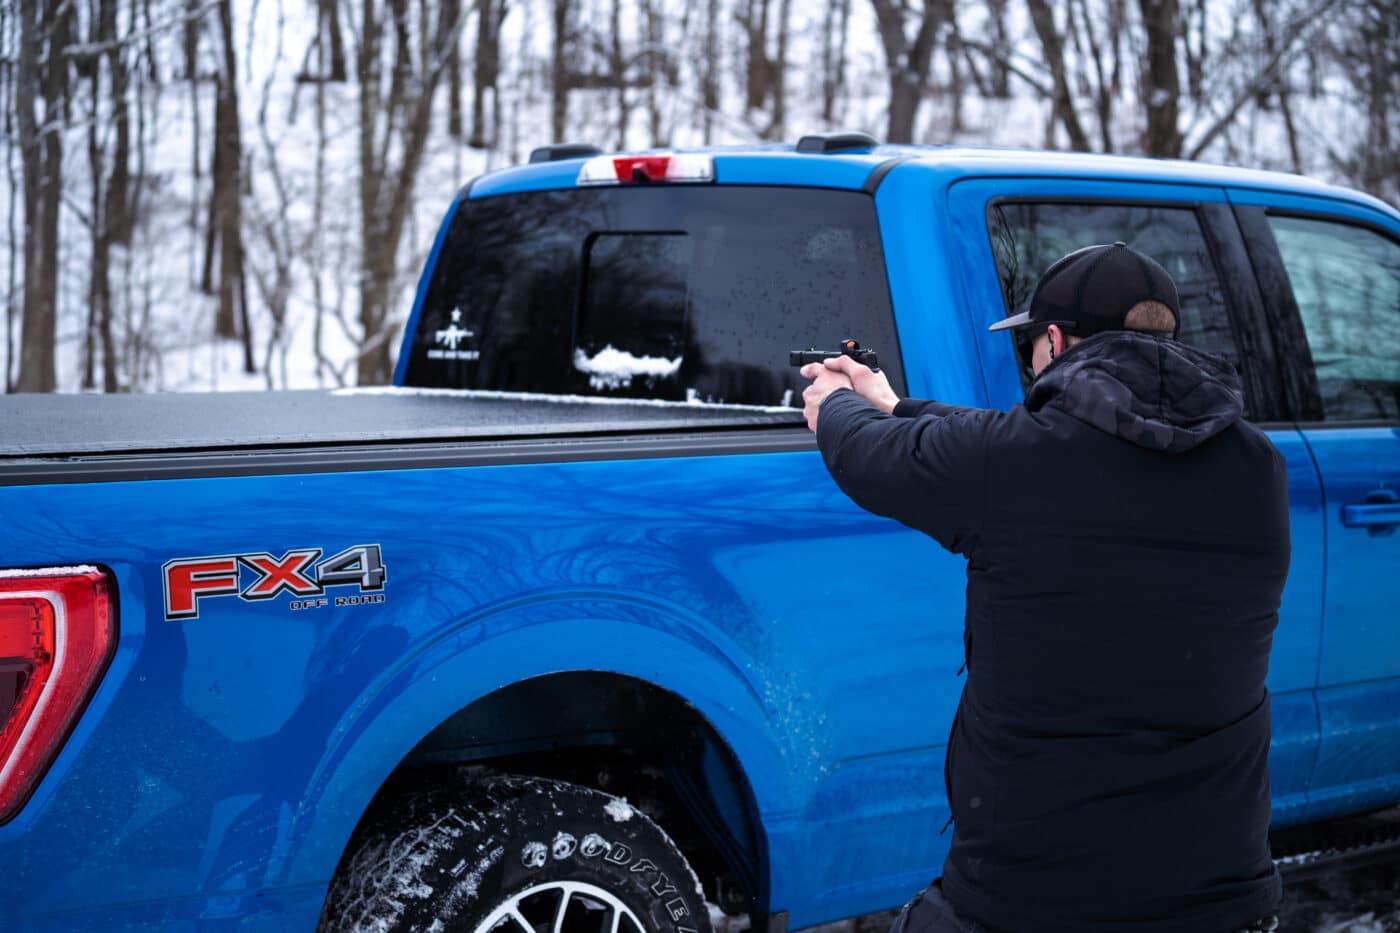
(1361, 900)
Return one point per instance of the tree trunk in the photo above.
(491, 15)
(13, 303)
(1043, 19)
(1278, 87)
(1105, 85)
(655, 30)
(617, 69)
(778, 128)
(111, 215)
(191, 40)
(1161, 87)
(228, 185)
(451, 10)
(709, 85)
(330, 24)
(42, 75)
(834, 32)
(559, 71)
(757, 70)
(1198, 51)
(955, 80)
(1000, 39)
(396, 125)
(906, 61)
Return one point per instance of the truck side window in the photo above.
(1346, 280)
(1027, 237)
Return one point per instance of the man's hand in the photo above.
(824, 382)
(842, 372)
(871, 386)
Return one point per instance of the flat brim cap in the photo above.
(1093, 289)
(1016, 320)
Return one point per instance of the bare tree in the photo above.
(273, 225)
(752, 17)
(41, 78)
(451, 11)
(110, 220)
(659, 66)
(225, 232)
(1195, 42)
(777, 129)
(192, 29)
(561, 71)
(1267, 15)
(490, 14)
(709, 82)
(1369, 54)
(999, 85)
(617, 71)
(908, 60)
(1161, 85)
(1292, 39)
(1099, 45)
(329, 32)
(394, 121)
(835, 34)
(1052, 43)
(9, 130)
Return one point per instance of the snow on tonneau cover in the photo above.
(675, 292)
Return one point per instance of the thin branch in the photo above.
(81, 50)
(1006, 62)
(1302, 27)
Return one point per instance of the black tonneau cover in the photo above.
(66, 425)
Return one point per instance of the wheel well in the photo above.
(626, 737)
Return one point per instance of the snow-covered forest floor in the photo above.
(1356, 900)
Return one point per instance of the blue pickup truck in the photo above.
(569, 631)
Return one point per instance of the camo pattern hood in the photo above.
(1150, 390)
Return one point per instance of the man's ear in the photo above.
(1057, 340)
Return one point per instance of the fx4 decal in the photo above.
(190, 579)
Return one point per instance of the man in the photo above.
(1127, 543)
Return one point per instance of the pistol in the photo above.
(848, 347)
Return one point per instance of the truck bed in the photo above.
(88, 438)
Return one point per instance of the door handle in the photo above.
(1382, 507)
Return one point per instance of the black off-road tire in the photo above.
(446, 859)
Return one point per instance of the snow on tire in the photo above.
(514, 855)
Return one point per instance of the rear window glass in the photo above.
(662, 292)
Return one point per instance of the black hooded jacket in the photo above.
(1127, 543)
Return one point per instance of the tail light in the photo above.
(641, 169)
(57, 634)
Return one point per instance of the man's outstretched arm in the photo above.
(926, 469)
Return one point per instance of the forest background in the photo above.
(231, 194)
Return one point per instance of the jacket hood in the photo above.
(1150, 390)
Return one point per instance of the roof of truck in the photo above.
(782, 164)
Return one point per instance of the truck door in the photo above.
(1014, 228)
(1332, 271)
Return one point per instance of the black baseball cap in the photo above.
(1093, 289)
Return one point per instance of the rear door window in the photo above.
(1346, 282)
(1028, 237)
(674, 293)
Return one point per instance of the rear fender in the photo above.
(505, 645)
